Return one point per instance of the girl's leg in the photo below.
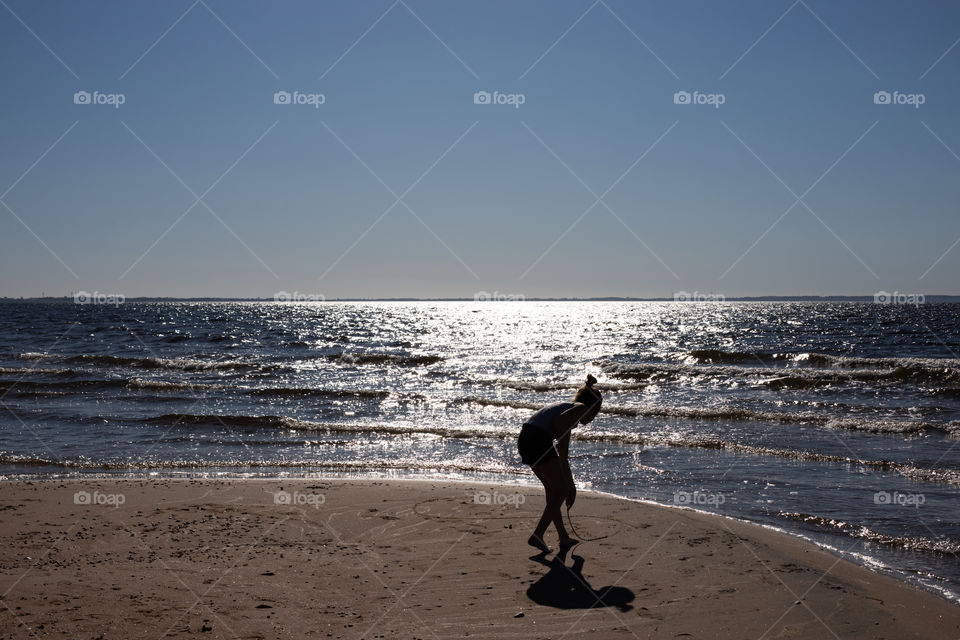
(550, 474)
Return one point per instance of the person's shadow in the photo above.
(565, 587)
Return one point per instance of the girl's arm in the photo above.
(564, 424)
(563, 448)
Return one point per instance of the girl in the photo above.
(550, 463)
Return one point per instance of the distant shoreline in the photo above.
(717, 300)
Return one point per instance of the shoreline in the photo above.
(330, 556)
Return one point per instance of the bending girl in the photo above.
(550, 463)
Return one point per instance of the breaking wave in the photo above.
(910, 543)
(800, 370)
(350, 358)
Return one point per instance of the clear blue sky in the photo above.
(288, 189)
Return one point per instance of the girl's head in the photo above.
(591, 397)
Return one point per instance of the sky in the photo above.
(410, 148)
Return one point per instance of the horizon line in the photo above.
(680, 297)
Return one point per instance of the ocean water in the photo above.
(838, 422)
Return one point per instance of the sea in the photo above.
(837, 422)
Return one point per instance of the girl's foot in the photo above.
(537, 542)
(566, 543)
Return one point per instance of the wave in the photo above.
(527, 385)
(306, 463)
(34, 355)
(911, 543)
(26, 388)
(546, 386)
(178, 364)
(819, 360)
(322, 393)
(742, 414)
(30, 371)
(226, 420)
(942, 476)
(162, 385)
(350, 358)
(798, 382)
(714, 356)
(841, 371)
(294, 424)
(27, 461)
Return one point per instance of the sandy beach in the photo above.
(416, 559)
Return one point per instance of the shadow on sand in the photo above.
(565, 587)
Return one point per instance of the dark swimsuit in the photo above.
(535, 443)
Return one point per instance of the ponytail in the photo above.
(587, 394)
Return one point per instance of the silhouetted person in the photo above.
(550, 462)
